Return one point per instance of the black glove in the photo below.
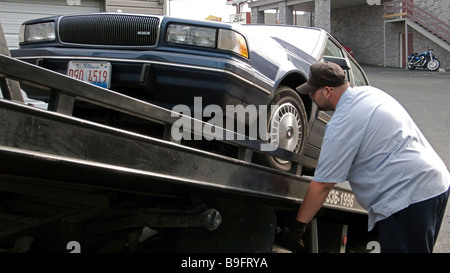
(293, 238)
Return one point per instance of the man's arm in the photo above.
(315, 197)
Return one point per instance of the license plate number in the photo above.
(340, 198)
(97, 73)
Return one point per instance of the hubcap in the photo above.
(286, 129)
(432, 65)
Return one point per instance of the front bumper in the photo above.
(161, 77)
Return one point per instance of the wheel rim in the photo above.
(286, 129)
(432, 65)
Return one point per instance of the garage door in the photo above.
(14, 12)
(155, 7)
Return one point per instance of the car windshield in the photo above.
(304, 38)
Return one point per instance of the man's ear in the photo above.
(328, 91)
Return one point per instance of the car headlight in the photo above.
(207, 37)
(37, 32)
(232, 41)
(191, 35)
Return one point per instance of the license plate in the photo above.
(97, 73)
(341, 198)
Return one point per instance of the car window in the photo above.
(332, 49)
(358, 75)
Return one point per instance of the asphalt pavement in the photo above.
(426, 97)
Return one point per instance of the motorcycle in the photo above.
(425, 60)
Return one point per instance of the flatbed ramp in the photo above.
(54, 155)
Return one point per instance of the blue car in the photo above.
(170, 61)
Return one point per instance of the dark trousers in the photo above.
(413, 229)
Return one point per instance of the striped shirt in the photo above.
(372, 142)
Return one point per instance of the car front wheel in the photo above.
(287, 126)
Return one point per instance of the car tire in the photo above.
(290, 121)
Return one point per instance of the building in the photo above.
(14, 12)
(374, 29)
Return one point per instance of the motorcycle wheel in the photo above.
(433, 65)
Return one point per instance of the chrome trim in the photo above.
(324, 117)
(264, 79)
(260, 88)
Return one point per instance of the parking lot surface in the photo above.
(426, 97)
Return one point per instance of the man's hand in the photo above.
(293, 239)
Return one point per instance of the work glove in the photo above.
(293, 238)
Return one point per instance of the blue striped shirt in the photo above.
(372, 142)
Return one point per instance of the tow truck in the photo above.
(69, 184)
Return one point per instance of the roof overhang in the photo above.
(303, 5)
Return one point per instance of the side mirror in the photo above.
(342, 62)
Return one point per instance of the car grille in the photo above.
(109, 29)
